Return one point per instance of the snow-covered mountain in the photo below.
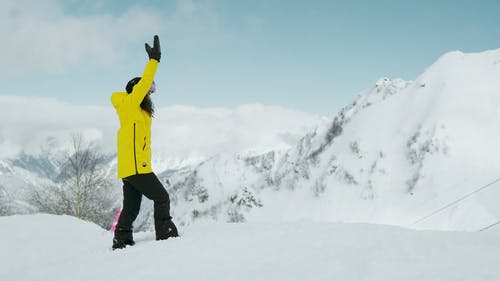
(401, 151)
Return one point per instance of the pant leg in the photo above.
(151, 187)
(131, 205)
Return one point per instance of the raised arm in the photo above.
(141, 89)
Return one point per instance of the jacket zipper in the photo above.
(135, 155)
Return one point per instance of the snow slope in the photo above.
(399, 152)
(43, 247)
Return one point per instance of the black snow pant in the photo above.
(133, 188)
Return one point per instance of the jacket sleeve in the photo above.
(142, 87)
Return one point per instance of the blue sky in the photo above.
(314, 56)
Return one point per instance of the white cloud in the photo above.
(29, 124)
(185, 132)
(42, 37)
(180, 133)
(38, 37)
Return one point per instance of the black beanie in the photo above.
(131, 84)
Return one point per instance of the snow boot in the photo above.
(123, 237)
(165, 229)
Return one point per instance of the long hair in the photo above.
(147, 103)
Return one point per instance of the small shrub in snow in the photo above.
(319, 188)
(195, 214)
(202, 194)
(368, 193)
(245, 198)
(354, 146)
(234, 216)
(243, 201)
(348, 178)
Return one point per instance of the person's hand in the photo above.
(155, 52)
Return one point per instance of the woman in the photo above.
(135, 111)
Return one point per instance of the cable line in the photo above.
(489, 226)
(458, 200)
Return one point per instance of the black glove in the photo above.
(155, 52)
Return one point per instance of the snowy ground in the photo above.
(43, 247)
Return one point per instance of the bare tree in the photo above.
(82, 188)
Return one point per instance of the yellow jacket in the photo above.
(134, 135)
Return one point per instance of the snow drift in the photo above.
(64, 248)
